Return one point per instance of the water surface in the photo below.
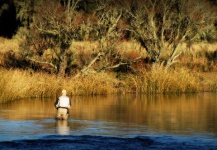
(113, 122)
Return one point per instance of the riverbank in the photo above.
(18, 84)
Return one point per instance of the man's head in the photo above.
(63, 92)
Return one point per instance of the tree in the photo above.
(24, 12)
(54, 27)
(107, 33)
(161, 25)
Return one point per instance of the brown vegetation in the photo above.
(17, 84)
(151, 47)
(194, 72)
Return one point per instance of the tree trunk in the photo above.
(62, 65)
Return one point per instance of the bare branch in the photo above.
(43, 62)
(92, 62)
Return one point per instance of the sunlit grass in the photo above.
(16, 84)
(93, 84)
(185, 76)
(161, 80)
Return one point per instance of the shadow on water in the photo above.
(99, 142)
(113, 122)
(81, 142)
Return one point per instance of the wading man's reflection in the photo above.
(62, 127)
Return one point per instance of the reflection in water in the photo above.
(164, 113)
(62, 127)
(193, 113)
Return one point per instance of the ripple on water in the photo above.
(102, 142)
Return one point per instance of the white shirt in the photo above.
(64, 101)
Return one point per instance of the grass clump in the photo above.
(17, 84)
(93, 84)
(161, 80)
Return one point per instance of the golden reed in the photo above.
(17, 84)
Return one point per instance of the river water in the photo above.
(113, 122)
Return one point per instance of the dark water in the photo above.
(113, 122)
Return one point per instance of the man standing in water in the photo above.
(63, 104)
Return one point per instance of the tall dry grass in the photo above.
(93, 84)
(161, 80)
(16, 84)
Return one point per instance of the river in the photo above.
(113, 122)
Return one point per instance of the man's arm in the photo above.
(56, 103)
(69, 103)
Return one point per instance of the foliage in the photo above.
(54, 28)
(161, 25)
(92, 47)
